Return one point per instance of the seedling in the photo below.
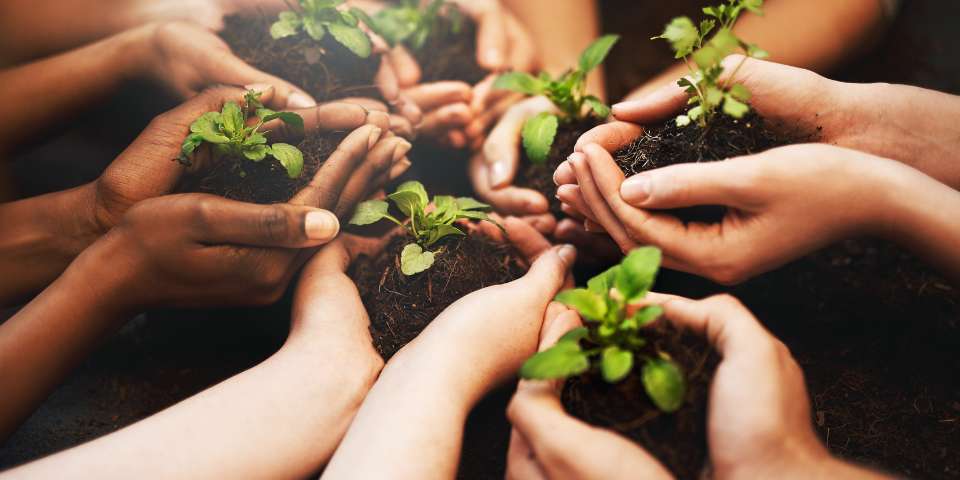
(568, 92)
(317, 18)
(408, 24)
(708, 94)
(613, 341)
(427, 228)
(230, 137)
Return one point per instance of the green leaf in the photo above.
(616, 363)
(602, 283)
(290, 157)
(519, 82)
(563, 360)
(575, 335)
(408, 202)
(713, 95)
(255, 153)
(706, 26)
(417, 188)
(740, 92)
(647, 315)
(232, 119)
(682, 35)
(189, 145)
(353, 38)
(413, 259)
(208, 127)
(314, 29)
(755, 6)
(467, 203)
(286, 25)
(707, 57)
(369, 212)
(637, 273)
(538, 134)
(734, 107)
(757, 52)
(592, 307)
(664, 383)
(594, 54)
(683, 120)
(725, 42)
(255, 139)
(599, 108)
(442, 231)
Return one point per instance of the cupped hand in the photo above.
(781, 204)
(547, 443)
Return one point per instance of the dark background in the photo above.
(875, 330)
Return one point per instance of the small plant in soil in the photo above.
(433, 264)
(627, 371)
(317, 18)
(613, 341)
(548, 137)
(425, 228)
(439, 36)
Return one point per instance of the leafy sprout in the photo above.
(568, 92)
(708, 94)
(410, 25)
(612, 341)
(317, 18)
(427, 228)
(230, 137)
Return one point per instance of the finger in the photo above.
(482, 93)
(334, 116)
(572, 212)
(602, 213)
(689, 184)
(545, 223)
(595, 248)
(217, 220)
(431, 96)
(548, 271)
(386, 81)
(611, 136)
(231, 70)
(402, 127)
(558, 326)
(657, 106)
(564, 175)
(379, 160)
(324, 190)
(446, 118)
(408, 109)
(488, 116)
(526, 239)
(501, 151)
(521, 462)
(523, 53)
(508, 199)
(492, 38)
(722, 320)
(404, 66)
(367, 103)
(457, 139)
(571, 195)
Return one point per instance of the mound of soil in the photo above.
(401, 306)
(451, 56)
(326, 70)
(726, 137)
(265, 181)
(678, 439)
(539, 176)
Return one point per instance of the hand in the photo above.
(492, 171)
(771, 216)
(547, 443)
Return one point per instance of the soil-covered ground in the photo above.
(876, 331)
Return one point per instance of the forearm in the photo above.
(561, 35)
(280, 419)
(46, 339)
(42, 93)
(816, 35)
(42, 235)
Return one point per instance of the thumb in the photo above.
(547, 273)
(689, 184)
(656, 106)
(501, 151)
(233, 70)
(221, 221)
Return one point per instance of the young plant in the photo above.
(319, 17)
(613, 341)
(409, 25)
(708, 94)
(426, 228)
(568, 92)
(229, 136)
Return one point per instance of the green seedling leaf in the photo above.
(417, 188)
(255, 153)
(735, 108)
(740, 92)
(682, 35)
(637, 273)
(519, 82)
(563, 360)
(592, 307)
(442, 231)
(189, 145)
(413, 259)
(286, 25)
(664, 383)
(467, 203)
(538, 134)
(646, 315)
(232, 119)
(575, 335)
(290, 157)
(351, 37)
(616, 364)
(599, 108)
(594, 54)
(370, 212)
(208, 127)
(601, 284)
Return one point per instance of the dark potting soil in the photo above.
(401, 307)
(668, 144)
(539, 177)
(265, 181)
(451, 56)
(677, 439)
(326, 70)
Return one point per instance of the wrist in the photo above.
(108, 275)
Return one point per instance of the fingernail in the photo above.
(321, 225)
(635, 189)
(259, 87)
(619, 107)
(374, 137)
(400, 169)
(400, 151)
(568, 253)
(300, 100)
(557, 171)
(498, 174)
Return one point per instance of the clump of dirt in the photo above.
(326, 69)
(449, 55)
(539, 176)
(265, 181)
(401, 306)
(677, 439)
